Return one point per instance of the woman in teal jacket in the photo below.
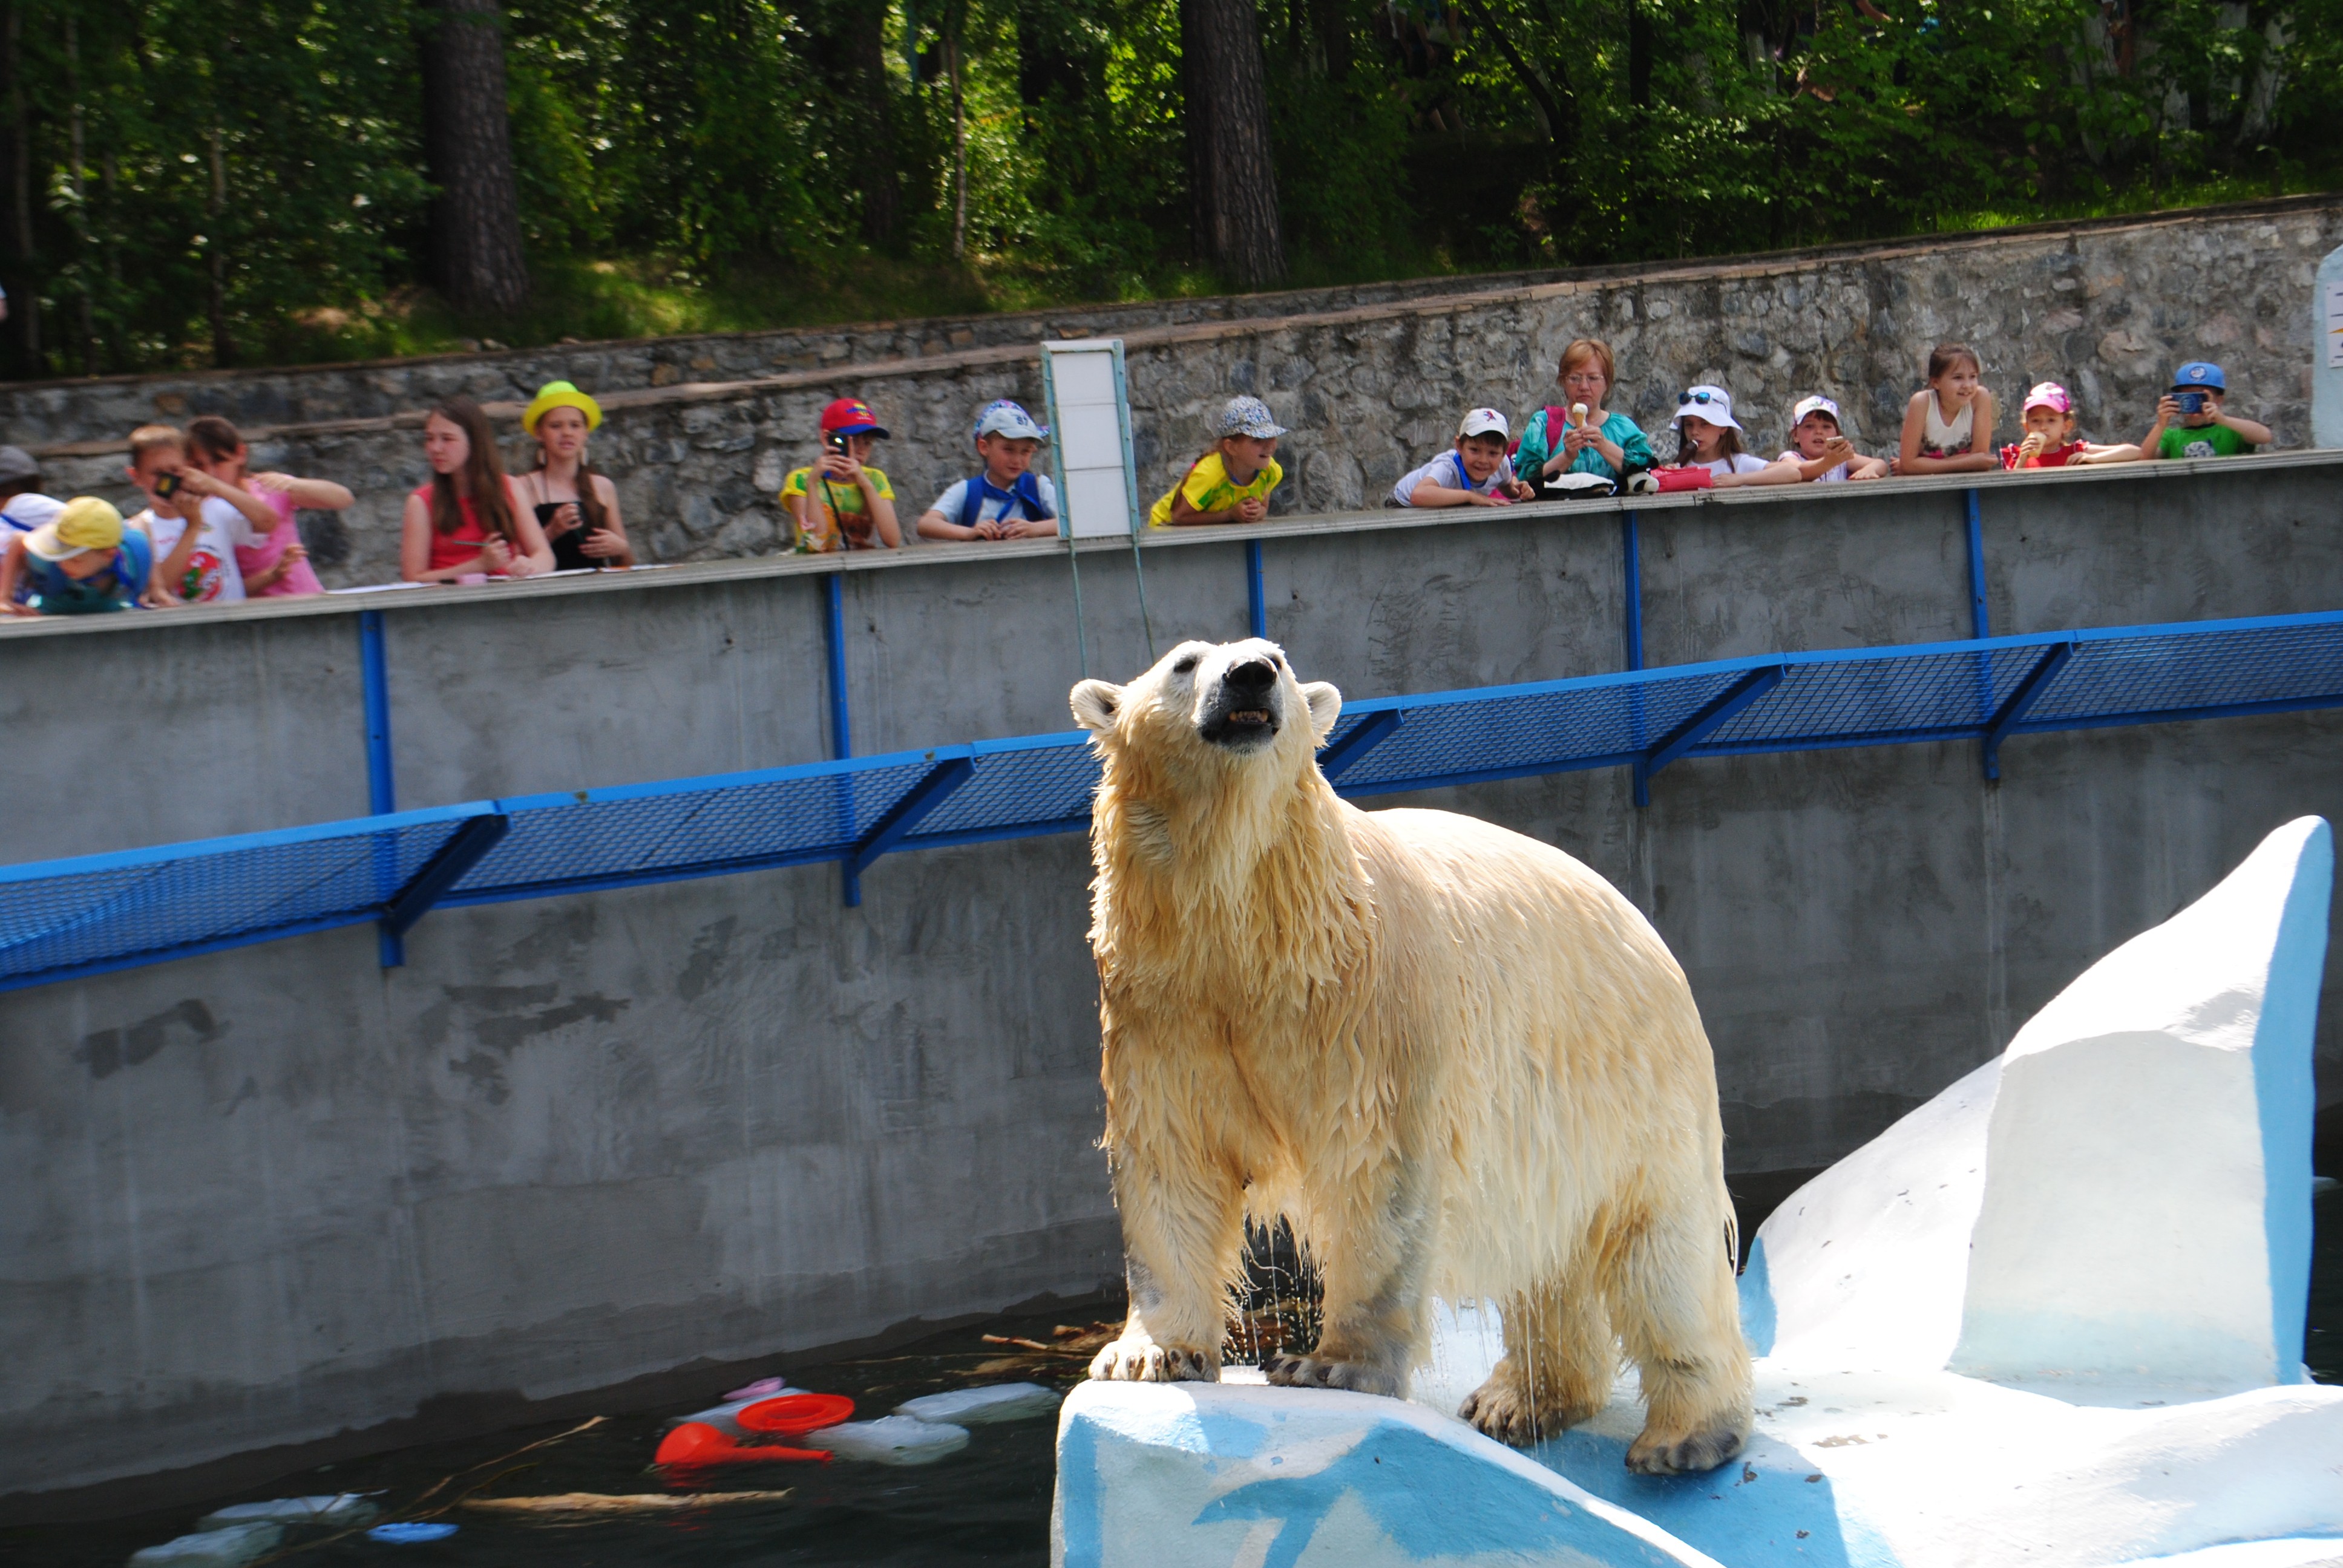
(1596, 442)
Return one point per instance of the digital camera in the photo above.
(2192, 402)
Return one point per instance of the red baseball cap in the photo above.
(850, 417)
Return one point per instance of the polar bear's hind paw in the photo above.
(1689, 1456)
(1144, 1361)
(1288, 1371)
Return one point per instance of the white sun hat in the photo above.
(1714, 404)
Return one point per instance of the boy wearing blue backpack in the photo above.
(1008, 501)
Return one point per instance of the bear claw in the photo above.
(1686, 1455)
(1144, 1361)
(1289, 1371)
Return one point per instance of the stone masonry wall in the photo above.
(1371, 381)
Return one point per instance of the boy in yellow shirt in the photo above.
(1230, 483)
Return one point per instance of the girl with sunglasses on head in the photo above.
(1709, 436)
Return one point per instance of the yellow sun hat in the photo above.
(87, 523)
(559, 395)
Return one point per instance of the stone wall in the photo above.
(1371, 381)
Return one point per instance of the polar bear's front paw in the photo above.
(1503, 1409)
(1135, 1358)
(1690, 1455)
(1314, 1372)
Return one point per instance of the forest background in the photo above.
(273, 181)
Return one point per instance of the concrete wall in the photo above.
(268, 1195)
(1371, 381)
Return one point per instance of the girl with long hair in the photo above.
(577, 507)
(469, 521)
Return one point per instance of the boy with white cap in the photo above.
(1008, 501)
(1230, 483)
(81, 562)
(1821, 451)
(1476, 473)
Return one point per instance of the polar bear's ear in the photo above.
(1325, 705)
(1095, 703)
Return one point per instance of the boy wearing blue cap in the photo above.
(2189, 422)
(1008, 501)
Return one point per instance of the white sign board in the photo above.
(2327, 359)
(1090, 421)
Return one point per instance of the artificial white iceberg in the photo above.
(2055, 1316)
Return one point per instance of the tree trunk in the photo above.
(475, 247)
(867, 56)
(1233, 185)
(26, 305)
(223, 347)
(959, 149)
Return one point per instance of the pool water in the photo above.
(989, 1504)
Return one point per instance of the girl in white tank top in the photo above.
(1948, 424)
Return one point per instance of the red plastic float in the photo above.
(696, 1443)
(795, 1415)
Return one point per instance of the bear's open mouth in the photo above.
(1241, 726)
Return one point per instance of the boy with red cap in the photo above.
(840, 503)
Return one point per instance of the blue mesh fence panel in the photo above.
(644, 834)
(102, 911)
(1016, 787)
(194, 897)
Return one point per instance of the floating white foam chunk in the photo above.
(231, 1547)
(342, 1508)
(1166, 1475)
(974, 1406)
(2055, 1316)
(890, 1440)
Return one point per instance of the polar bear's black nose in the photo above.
(1253, 677)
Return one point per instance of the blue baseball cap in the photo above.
(1007, 418)
(2199, 376)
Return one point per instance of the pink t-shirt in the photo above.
(253, 559)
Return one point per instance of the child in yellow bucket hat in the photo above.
(577, 507)
(83, 561)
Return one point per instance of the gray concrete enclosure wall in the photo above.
(1371, 380)
(271, 1194)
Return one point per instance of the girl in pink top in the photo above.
(276, 566)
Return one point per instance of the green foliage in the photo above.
(243, 180)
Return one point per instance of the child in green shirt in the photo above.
(2189, 422)
(1230, 483)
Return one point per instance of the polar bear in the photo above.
(1454, 1058)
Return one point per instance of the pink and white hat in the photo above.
(2046, 395)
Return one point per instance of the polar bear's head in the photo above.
(1212, 711)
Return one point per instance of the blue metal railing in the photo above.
(63, 918)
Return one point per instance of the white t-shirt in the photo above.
(1740, 463)
(953, 500)
(1447, 470)
(211, 576)
(1825, 477)
(26, 511)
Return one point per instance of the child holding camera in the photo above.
(841, 502)
(194, 521)
(274, 564)
(1821, 450)
(2190, 422)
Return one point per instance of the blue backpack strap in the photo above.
(1029, 494)
(972, 500)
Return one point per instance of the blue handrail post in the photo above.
(1632, 588)
(841, 730)
(382, 779)
(1980, 622)
(1256, 601)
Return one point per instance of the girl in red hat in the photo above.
(840, 503)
